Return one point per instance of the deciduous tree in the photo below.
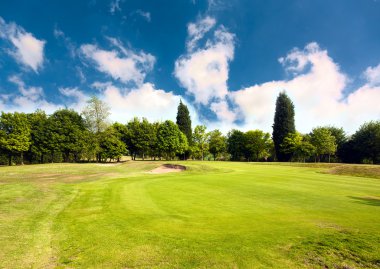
(366, 142)
(323, 141)
(14, 134)
(236, 144)
(298, 146)
(217, 143)
(257, 145)
(200, 141)
(67, 128)
(170, 139)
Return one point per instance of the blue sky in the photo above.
(228, 60)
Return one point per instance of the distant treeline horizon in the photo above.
(69, 136)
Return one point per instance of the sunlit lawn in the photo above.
(213, 215)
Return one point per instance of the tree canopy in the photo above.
(257, 145)
(68, 136)
(323, 141)
(217, 143)
(14, 134)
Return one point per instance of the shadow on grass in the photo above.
(366, 200)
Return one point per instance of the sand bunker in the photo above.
(168, 168)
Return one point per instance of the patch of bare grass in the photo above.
(372, 171)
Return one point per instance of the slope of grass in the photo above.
(213, 215)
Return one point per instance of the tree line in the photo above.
(69, 136)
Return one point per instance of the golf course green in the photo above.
(212, 215)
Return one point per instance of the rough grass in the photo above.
(213, 215)
(372, 171)
(358, 170)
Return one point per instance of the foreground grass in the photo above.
(213, 215)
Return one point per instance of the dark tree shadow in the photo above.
(366, 200)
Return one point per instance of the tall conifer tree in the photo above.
(184, 121)
(283, 124)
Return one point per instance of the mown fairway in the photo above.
(214, 215)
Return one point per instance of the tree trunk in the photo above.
(9, 159)
(22, 158)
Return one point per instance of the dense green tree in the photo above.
(257, 145)
(91, 146)
(39, 136)
(200, 141)
(140, 137)
(154, 150)
(121, 131)
(217, 143)
(184, 124)
(236, 144)
(14, 134)
(170, 139)
(183, 145)
(340, 139)
(132, 137)
(323, 141)
(349, 152)
(146, 137)
(111, 146)
(366, 142)
(298, 146)
(283, 124)
(184, 120)
(55, 138)
(67, 128)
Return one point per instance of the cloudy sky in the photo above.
(226, 59)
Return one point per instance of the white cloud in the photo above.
(317, 94)
(77, 97)
(203, 72)
(80, 74)
(144, 101)
(222, 110)
(115, 6)
(316, 88)
(31, 93)
(27, 49)
(28, 99)
(59, 34)
(297, 60)
(372, 74)
(197, 30)
(122, 64)
(146, 15)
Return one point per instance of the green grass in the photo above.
(213, 215)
